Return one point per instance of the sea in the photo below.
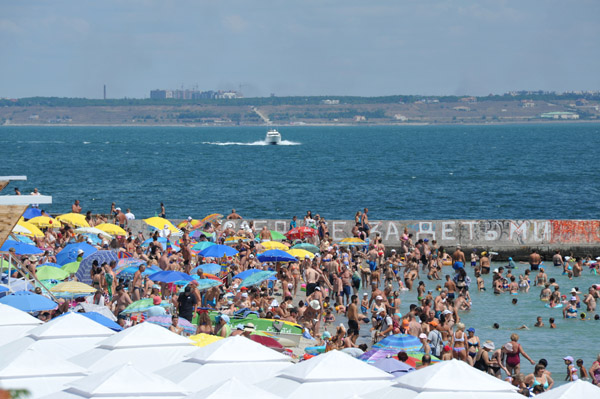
(532, 171)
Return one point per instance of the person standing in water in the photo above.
(163, 212)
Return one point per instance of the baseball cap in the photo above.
(379, 297)
(421, 336)
(225, 318)
(365, 294)
(471, 329)
(317, 288)
(156, 300)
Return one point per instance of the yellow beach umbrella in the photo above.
(45, 221)
(33, 230)
(74, 219)
(234, 240)
(73, 287)
(204, 339)
(300, 253)
(159, 224)
(268, 245)
(112, 229)
(352, 241)
(181, 225)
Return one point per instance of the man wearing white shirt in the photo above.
(129, 215)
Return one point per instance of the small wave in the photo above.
(86, 142)
(259, 143)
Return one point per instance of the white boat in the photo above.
(273, 137)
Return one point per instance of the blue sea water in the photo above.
(398, 172)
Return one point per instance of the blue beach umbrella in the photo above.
(218, 251)
(31, 213)
(404, 342)
(393, 366)
(210, 268)
(28, 301)
(170, 276)
(257, 278)
(83, 273)
(21, 248)
(202, 245)
(246, 273)
(105, 321)
(276, 255)
(206, 283)
(24, 239)
(69, 253)
(130, 271)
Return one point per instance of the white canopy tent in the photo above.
(237, 356)
(65, 336)
(233, 388)
(333, 374)
(147, 346)
(15, 323)
(573, 390)
(449, 379)
(31, 368)
(124, 381)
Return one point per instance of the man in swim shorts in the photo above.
(534, 260)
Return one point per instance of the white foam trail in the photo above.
(261, 142)
(86, 142)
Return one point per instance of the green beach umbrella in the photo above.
(202, 245)
(71, 268)
(51, 273)
(307, 247)
(277, 236)
(142, 305)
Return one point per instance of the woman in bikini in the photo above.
(473, 344)
(459, 351)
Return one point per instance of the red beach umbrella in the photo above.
(300, 233)
(266, 341)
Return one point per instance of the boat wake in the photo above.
(260, 142)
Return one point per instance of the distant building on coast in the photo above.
(181, 94)
(560, 115)
(330, 102)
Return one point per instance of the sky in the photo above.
(290, 47)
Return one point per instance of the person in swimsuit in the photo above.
(458, 343)
(473, 344)
(514, 350)
(595, 371)
(539, 377)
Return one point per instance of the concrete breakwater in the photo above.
(513, 238)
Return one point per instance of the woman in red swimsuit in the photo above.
(513, 352)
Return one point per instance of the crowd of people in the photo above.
(333, 280)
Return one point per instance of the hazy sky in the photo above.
(289, 47)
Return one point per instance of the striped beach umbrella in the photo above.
(400, 342)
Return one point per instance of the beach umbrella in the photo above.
(111, 229)
(69, 253)
(142, 305)
(45, 221)
(573, 390)
(15, 323)
(165, 243)
(206, 283)
(352, 241)
(218, 251)
(74, 219)
(21, 248)
(49, 264)
(34, 230)
(308, 247)
(393, 366)
(414, 358)
(269, 342)
(374, 354)
(301, 232)
(72, 289)
(100, 309)
(268, 245)
(204, 339)
(184, 223)
(130, 271)
(159, 223)
(211, 268)
(300, 253)
(93, 230)
(100, 319)
(400, 342)
(50, 273)
(28, 301)
(170, 276)
(233, 388)
(19, 229)
(166, 321)
(71, 268)
(213, 217)
(276, 255)
(202, 245)
(31, 213)
(246, 273)
(277, 236)
(257, 278)
(83, 274)
(18, 284)
(24, 239)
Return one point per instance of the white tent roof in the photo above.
(327, 389)
(334, 366)
(10, 316)
(452, 375)
(144, 335)
(574, 390)
(233, 389)
(122, 381)
(70, 325)
(20, 361)
(195, 377)
(236, 349)
(394, 392)
(147, 346)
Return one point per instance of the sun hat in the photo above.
(379, 297)
(33, 258)
(365, 294)
(446, 312)
(569, 358)
(422, 336)
(249, 327)
(489, 345)
(405, 322)
(244, 295)
(326, 335)
(275, 304)
(315, 304)
(225, 318)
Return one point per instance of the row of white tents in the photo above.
(75, 357)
